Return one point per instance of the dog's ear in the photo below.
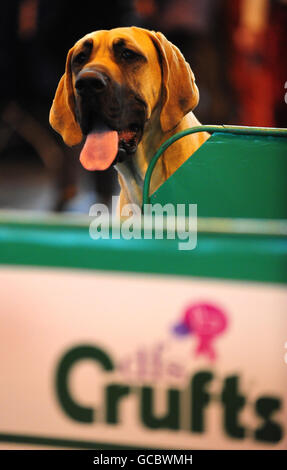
(62, 113)
(180, 93)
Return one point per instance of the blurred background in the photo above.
(237, 50)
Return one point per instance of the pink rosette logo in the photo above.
(206, 322)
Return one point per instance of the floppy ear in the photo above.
(62, 113)
(180, 93)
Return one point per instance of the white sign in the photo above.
(144, 361)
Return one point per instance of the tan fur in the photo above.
(167, 85)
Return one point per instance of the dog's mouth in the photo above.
(105, 146)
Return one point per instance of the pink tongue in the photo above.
(100, 149)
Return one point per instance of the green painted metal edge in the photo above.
(243, 130)
(231, 256)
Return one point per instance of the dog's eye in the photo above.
(80, 58)
(128, 54)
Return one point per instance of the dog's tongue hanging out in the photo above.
(100, 149)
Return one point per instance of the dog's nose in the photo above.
(91, 82)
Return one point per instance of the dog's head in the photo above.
(113, 82)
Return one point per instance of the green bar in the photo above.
(232, 176)
(252, 257)
(59, 442)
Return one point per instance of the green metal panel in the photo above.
(232, 175)
(254, 257)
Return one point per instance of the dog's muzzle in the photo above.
(90, 82)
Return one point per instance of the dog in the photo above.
(127, 90)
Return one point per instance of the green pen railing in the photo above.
(243, 130)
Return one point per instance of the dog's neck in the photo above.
(132, 171)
